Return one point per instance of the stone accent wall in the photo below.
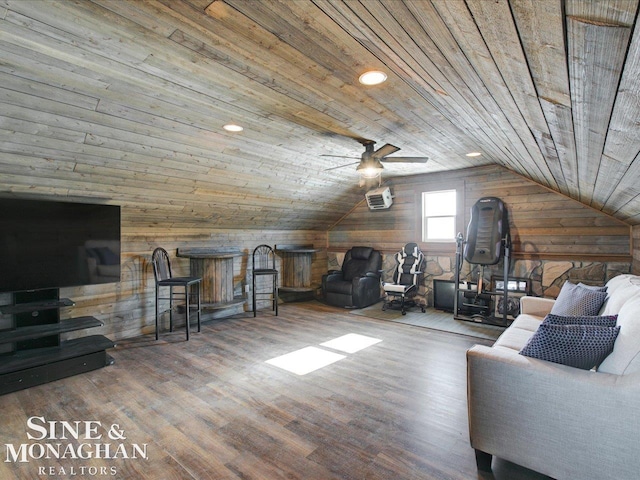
(546, 276)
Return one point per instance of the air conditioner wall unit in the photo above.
(379, 198)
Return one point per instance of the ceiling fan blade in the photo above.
(386, 149)
(405, 159)
(339, 156)
(341, 166)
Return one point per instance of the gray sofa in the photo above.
(558, 420)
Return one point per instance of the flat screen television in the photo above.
(50, 244)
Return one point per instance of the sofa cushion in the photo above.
(625, 357)
(527, 322)
(620, 290)
(518, 334)
(598, 321)
(580, 346)
(578, 300)
(623, 279)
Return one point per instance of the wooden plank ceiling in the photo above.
(124, 101)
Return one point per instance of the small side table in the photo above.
(296, 267)
(215, 267)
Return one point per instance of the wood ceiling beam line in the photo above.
(499, 32)
(622, 146)
(596, 59)
(498, 100)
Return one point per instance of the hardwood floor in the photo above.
(211, 408)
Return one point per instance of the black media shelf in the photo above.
(35, 306)
(66, 350)
(36, 353)
(37, 331)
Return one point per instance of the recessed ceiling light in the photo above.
(474, 154)
(373, 77)
(232, 127)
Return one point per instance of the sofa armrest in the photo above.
(537, 306)
(366, 290)
(554, 419)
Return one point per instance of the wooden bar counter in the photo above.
(215, 267)
(296, 267)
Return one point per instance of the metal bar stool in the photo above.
(164, 278)
(264, 264)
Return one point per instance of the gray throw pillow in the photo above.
(580, 346)
(598, 288)
(576, 300)
(598, 321)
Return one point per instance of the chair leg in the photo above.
(171, 309)
(188, 307)
(275, 294)
(199, 306)
(157, 312)
(253, 293)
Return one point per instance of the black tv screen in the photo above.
(444, 293)
(47, 244)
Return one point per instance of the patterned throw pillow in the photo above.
(597, 288)
(598, 321)
(580, 346)
(576, 300)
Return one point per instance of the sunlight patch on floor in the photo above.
(309, 359)
(351, 343)
(305, 360)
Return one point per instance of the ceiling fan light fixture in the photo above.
(369, 169)
(232, 127)
(372, 77)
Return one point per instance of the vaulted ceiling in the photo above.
(124, 101)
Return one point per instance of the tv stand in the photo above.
(36, 354)
(36, 306)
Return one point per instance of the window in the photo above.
(439, 216)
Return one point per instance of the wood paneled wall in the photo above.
(544, 224)
(554, 237)
(127, 308)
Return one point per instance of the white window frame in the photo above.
(454, 216)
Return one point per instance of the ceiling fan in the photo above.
(370, 164)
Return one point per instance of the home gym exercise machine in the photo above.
(488, 241)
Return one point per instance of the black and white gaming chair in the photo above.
(406, 279)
